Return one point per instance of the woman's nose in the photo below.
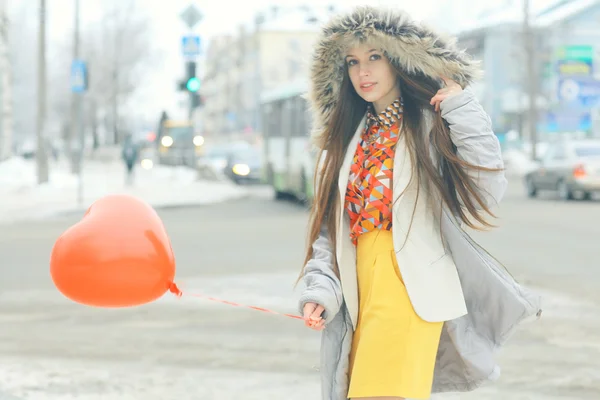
(363, 72)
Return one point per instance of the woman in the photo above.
(408, 302)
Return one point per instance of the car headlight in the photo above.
(198, 140)
(166, 141)
(241, 169)
(147, 163)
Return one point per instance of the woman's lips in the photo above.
(367, 87)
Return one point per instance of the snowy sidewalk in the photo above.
(161, 186)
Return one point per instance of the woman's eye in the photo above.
(375, 57)
(351, 62)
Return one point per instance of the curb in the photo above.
(174, 206)
(73, 212)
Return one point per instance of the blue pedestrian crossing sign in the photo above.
(79, 76)
(190, 46)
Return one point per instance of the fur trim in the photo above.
(410, 46)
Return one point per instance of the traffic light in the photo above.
(195, 100)
(192, 84)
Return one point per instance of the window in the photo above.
(298, 129)
(272, 119)
(291, 117)
(303, 118)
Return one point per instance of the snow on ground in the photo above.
(160, 186)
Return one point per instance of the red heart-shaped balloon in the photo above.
(118, 255)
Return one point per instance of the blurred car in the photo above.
(568, 168)
(148, 157)
(244, 165)
(214, 163)
(179, 143)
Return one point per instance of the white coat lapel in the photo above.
(402, 172)
(345, 168)
(403, 166)
(405, 200)
(347, 266)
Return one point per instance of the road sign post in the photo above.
(79, 76)
(190, 46)
(191, 16)
(191, 50)
(79, 85)
(578, 87)
(584, 92)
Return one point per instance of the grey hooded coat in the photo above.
(496, 303)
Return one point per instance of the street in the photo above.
(250, 251)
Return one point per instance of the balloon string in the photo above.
(177, 292)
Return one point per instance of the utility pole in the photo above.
(78, 111)
(532, 78)
(115, 95)
(6, 124)
(41, 156)
(115, 75)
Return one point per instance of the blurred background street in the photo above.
(198, 109)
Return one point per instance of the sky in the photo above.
(158, 88)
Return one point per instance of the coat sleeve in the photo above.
(321, 284)
(471, 132)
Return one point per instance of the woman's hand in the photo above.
(451, 89)
(312, 316)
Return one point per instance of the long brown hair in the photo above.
(450, 176)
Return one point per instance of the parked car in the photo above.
(569, 168)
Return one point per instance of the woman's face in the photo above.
(372, 76)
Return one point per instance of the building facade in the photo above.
(242, 66)
(567, 49)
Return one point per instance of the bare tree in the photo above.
(117, 51)
(40, 152)
(23, 29)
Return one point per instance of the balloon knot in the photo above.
(175, 290)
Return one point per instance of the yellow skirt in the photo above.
(393, 349)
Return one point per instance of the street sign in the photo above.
(190, 46)
(581, 91)
(79, 76)
(568, 120)
(583, 53)
(191, 16)
(574, 67)
(576, 60)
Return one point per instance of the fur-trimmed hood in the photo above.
(410, 45)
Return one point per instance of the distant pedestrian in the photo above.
(408, 157)
(130, 156)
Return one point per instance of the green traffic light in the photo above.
(193, 84)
